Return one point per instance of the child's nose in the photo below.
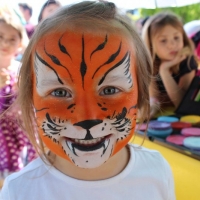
(5, 42)
(172, 43)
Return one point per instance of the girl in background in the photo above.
(12, 138)
(48, 8)
(84, 75)
(173, 60)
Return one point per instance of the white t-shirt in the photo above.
(146, 177)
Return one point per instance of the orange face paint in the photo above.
(85, 95)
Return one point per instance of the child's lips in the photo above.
(173, 52)
(4, 50)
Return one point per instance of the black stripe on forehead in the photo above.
(83, 66)
(110, 59)
(100, 47)
(56, 61)
(62, 47)
(127, 65)
(46, 64)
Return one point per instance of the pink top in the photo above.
(12, 138)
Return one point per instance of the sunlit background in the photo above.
(123, 4)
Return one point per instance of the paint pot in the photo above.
(141, 127)
(158, 125)
(176, 139)
(192, 143)
(160, 133)
(159, 129)
(180, 125)
(193, 119)
(191, 131)
(168, 119)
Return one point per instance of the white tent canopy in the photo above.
(123, 4)
(132, 4)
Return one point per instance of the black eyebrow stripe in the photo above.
(100, 47)
(111, 59)
(56, 61)
(118, 64)
(127, 66)
(45, 63)
(62, 47)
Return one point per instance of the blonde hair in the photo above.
(154, 25)
(9, 17)
(87, 15)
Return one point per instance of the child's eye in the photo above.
(176, 38)
(163, 41)
(12, 41)
(109, 91)
(61, 93)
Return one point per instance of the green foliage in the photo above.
(187, 13)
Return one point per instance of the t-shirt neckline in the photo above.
(99, 183)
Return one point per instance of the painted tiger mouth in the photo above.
(88, 145)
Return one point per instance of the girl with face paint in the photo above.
(85, 75)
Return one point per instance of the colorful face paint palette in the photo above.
(192, 143)
(168, 119)
(193, 119)
(176, 139)
(180, 125)
(183, 123)
(191, 131)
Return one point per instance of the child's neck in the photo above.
(109, 169)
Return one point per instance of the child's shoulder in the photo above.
(32, 169)
(145, 156)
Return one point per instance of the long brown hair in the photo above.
(154, 25)
(88, 16)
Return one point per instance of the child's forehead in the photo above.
(74, 36)
(8, 29)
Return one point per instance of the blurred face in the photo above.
(51, 8)
(168, 42)
(85, 95)
(10, 40)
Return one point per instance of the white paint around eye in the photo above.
(47, 79)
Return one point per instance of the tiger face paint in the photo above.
(85, 95)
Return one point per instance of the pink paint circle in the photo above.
(180, 125)
(141, 127)
(176, 139)
(191, 131)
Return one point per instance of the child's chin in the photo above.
(90, 156)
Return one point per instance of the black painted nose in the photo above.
(87, 124)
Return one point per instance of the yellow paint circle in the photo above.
(193, 119)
